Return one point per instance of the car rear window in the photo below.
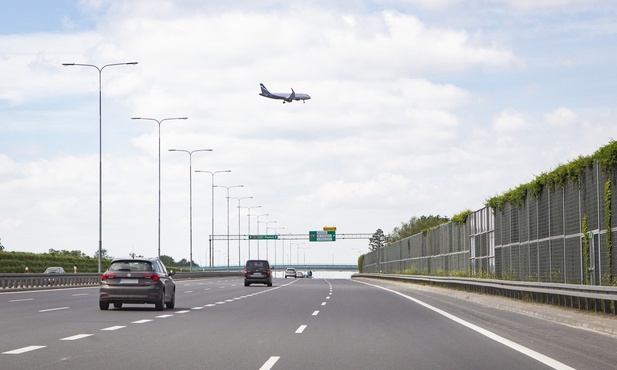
(257, 264)
(130, 266)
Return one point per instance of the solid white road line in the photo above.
(271, 361)
(497, 338)
(22, 350)
(300, 329)
(76, 337)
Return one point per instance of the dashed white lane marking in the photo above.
(300, 329)
(79, 294)
(22, 350)
(112, 328)
(210, 305)
(323, 303)
(497, 338)
(54, 309)
(183, 311)
(76, 337)
(141, 321)
(197, 308)
(328, 297)
(22, 300)
(268, 364)
(315, 313)
(163, 316)
(188, 291)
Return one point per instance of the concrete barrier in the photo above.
(10, 282)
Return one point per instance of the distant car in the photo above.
(299, 274)
(54, 270)
(290, 272)
(257, 271)
(137, 280)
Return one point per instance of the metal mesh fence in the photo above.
(540, 240)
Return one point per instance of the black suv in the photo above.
(257, 271)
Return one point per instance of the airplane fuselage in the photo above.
(286, 98)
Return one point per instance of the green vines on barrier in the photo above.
(586, 261)
(556, 179)
(607, 224)
(461, 218)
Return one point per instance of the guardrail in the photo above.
(582, 297)
(51, 281)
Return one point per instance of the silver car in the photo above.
(290, 272)
(137, 280)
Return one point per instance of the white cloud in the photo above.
(408, 117)
(561, 117)
(510, 120)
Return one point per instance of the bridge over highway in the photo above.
(278, 267)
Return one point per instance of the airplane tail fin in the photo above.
(264, 91)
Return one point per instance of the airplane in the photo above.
(286, 98)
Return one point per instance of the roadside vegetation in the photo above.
(36, 263)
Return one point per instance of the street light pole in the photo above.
(100, 70)
(228, 187)
(268, 222)
(276, 232)
(212, 173)
(258, 231)
(239, 200)
(190, 153)
(249, 227)
(159, 125)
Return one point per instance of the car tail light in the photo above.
(268, 272)
(245, 272)
(154, 277)
(108, 275)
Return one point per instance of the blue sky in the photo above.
(419, 107)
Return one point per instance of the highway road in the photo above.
(296, 324)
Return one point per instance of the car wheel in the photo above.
(103, 305)
(246, 283)
(117, 305)
(269, 283)
(171, 304)
(161, 303)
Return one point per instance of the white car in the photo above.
(299, 274)
(290, 272)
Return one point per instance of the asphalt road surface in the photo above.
(296, 324)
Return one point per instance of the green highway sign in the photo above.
(263, 236)
(322, 236)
